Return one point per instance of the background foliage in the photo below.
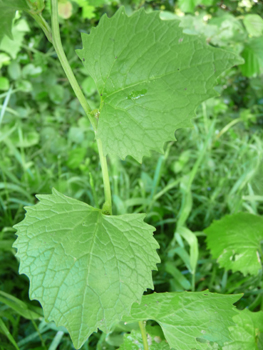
(214, 168)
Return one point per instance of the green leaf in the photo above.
(150, 77)
(190, 5)
(235, 242)
(20, 307)
(189, 320)
(29, 139)
(253, 56)
(7, 14)
(6, 332)
(254, 24)
(4, 84)
(75, 157)
(245, 334)
(87, 8)
(187, 5)
(133, 341)
(13, 46)
(177, 275)
(85, 268)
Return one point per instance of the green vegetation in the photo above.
(203, 196)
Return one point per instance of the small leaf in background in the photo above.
(14, 70)
(235, 242)
(97, 3)
(76, 134)
(7, 14)
(254, 24)
(76, 157)
(4, 84)
(4, 59)
(191, 239)
(13, 46)
(189, 5)
(89, 86)
(87, 8)
(253, 56)
(133, 341)
(189, 320)
(26, 139)
(56, 93)
(247, 332)
(31, 71)
(85, 268)
(150, 77)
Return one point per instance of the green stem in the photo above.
(144, 336)
(56, 40)
(107, 206)
(43, 24)
(193, 281)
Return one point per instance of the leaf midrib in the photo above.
(99, 220)
(155, 78)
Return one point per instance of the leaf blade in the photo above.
(246, 332)
(235, 242)
(85, 268)
(151, 76)
(189, 320)
(252, 54)
(7, 14)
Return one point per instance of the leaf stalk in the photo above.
(144, 335)
(56, 41)
(43, 25)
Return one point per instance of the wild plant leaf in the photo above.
(189, 320)
(13, 46)
(133, 341)
(150, 77)
(85, 268)
(247, 331)
(253, 56)
(235, 242)
(7, 14)
(253, 24)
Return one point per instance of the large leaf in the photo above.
(189, 320)
(85, 268)
(8, 9)
(150, 77)
(235, 242)
(246, 333)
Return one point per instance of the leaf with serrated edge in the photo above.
(189, 320)
(150, 76)
(7, 14)
(235, 242)
(244, 335)
(85, 268)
